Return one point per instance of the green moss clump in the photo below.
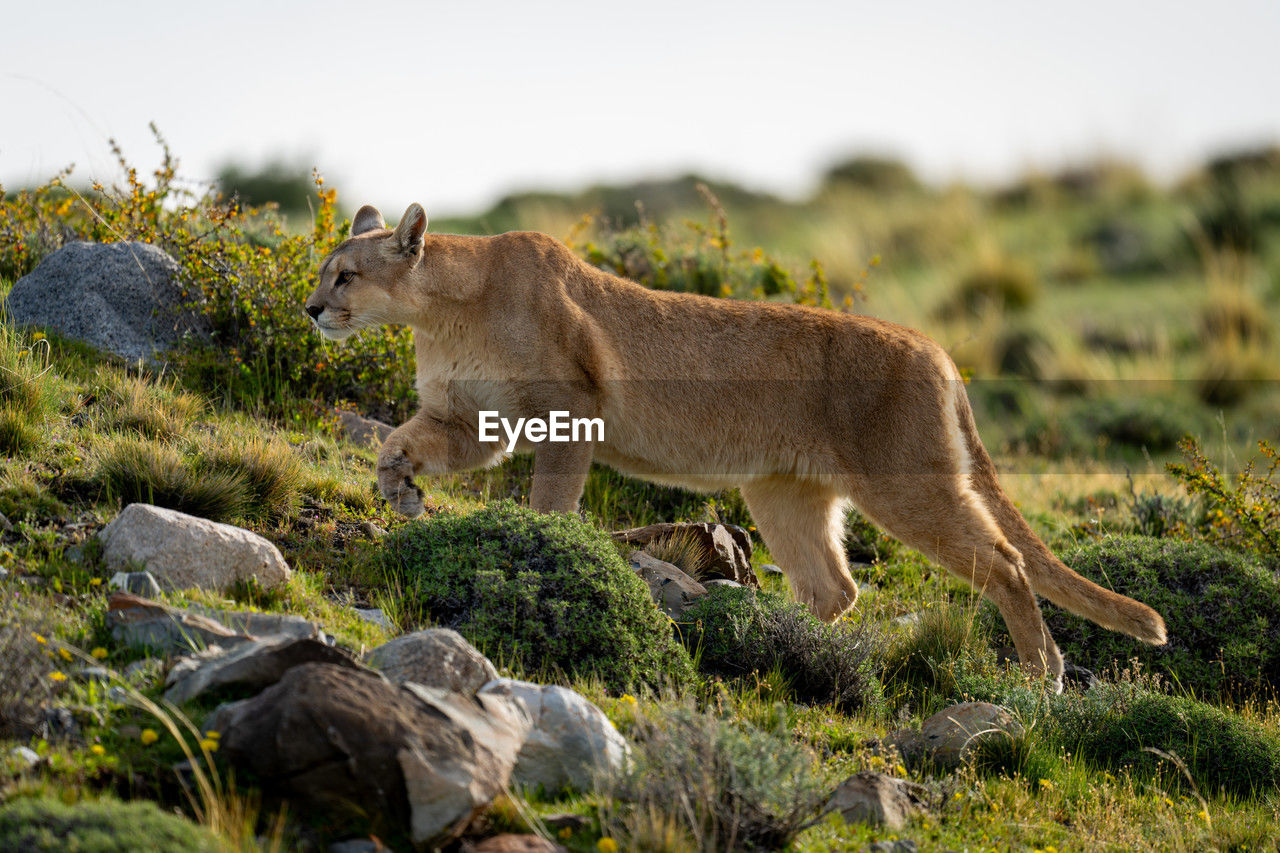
(1115, 724)
(735, 632)
(543, 590)
(103, 826)
(1222, 611)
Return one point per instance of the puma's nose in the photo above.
(315, 311)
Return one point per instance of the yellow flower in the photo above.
(99, 653)
(209, 744)
(57, 677)
(607, 845)
(212, 735)
(66, 655)
(98, 749)
(565, 833)
(629, 699)
(148, 737)
(1046, 784)
(94, 581)
(39, 639)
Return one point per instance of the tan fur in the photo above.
(803, 409)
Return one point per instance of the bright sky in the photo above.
(453, 104)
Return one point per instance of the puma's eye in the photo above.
(344, 277)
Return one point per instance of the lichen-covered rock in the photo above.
(435, 657)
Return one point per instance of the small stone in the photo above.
(25, 756)
(435, 657)
(359, 845)
(900, 845)
(376, 616)
(59, 724)
(672, 590)
(572, 744)
(906, 620)
(373, 531)
(138, 583)
(877, 799)
(510, 843)
(949, 737)
(100, 674)
(715, 582)
(769, 569)
(566, 820)
(365, 432)
(143, 671)
(5, 524)
(184, 551)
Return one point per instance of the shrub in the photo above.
(722, 786)
(1222, 611)
(1232, 372)
(735, 631)
(103, 826)
(1155, 424)
(544, 590)
(877, 174)
(1114, 725)
(1243, 513)
(995, 284)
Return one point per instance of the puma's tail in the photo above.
(1048, 575)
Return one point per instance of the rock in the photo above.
(572, 744)
(672, 589)
(124, 298)
(376, 616)
(906, 620)
(5, 524)
(263, 624)
(183, 551)
(57, 724)
(712, 584)
(949, 737)
(436, 657)
(1078, 677)
(898, 845)
(770, 569)
(143, 671)
(359, 845)
(727, 547)
(877, 799)
(139, 623)
(24, 756)
(99, 674)
(566, 820)
(366, 432)
(335, 739)
(373, 531)
(514, 844)
(138, 583)
(254, 664)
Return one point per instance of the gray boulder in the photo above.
(257, 663)
(435, 657)
(138, 583)
(338, 740)
(184, 551)
(572, 744)
(139, 623)
(124, 298)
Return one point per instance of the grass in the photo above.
(1095, 333)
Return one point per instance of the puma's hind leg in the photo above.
(802, 522)
(943, 517)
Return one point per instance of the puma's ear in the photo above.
(412, 227)
(367, 219)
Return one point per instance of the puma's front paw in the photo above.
(395, 481)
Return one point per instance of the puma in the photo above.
(804, 410)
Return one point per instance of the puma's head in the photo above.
(363, 282)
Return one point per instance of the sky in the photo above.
(455, 104)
